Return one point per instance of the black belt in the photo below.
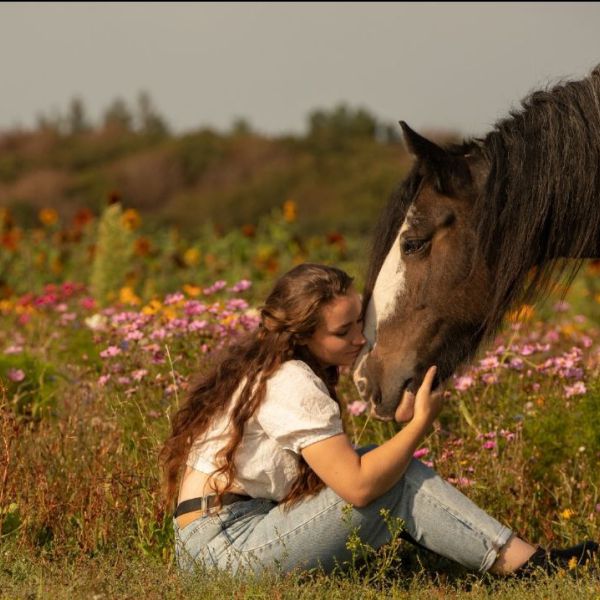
(205, 503)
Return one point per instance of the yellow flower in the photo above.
(192, 290)
(48, 216)
(131, 219)
(152, 307)
(572, 564)
(191, 257)
(169, 313)
(289, 211)
(523, 313)
(5, 306)
(128, 296)
(567, 514)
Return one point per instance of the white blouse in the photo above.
(297, 411)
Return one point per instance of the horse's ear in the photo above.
(447, 171)
(421, 147)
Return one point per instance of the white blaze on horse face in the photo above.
(388, 287)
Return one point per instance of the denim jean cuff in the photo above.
(497, 544)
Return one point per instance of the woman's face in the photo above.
(338, 337)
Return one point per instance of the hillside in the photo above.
(338, 174)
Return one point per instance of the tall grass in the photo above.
(85, 399)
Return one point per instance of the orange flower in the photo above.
(289, 211)
(131, 219)
(142, 246)
(48, 216)
(191, 257)
(128, 296)
(192, 290)
(248, 230)
(593, 267)
(10, 239)
(82, 217)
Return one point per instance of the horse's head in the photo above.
(427, 290)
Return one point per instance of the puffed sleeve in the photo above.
(297, 410)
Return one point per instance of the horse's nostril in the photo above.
(377, 397)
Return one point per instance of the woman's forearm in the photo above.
(381, 468)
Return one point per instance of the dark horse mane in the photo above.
(539, 203)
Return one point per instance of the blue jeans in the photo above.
(258, 534)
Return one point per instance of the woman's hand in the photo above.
(427, 404)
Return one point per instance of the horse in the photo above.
(475, 229)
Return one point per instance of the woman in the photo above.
(265, 468)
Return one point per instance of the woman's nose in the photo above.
(360, 340)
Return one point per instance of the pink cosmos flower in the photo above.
(193, 307)
(237, 304)
(421, 452)
(88, 303)
(461, 481)
(240, 286)
(215, 287)
(489, 445)
(357, 408)
(103, 380)
(16, 375)
(134, 335)
(158, 334)
(110, 351)
(14, 349)
(174, 298)
(489, 378)
(490, 362)
(562, 306)
(509, 436)
(139, 374)
(576, 389)
(463, 383)
(197, 326)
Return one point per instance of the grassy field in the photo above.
(94, 357)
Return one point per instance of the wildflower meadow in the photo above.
(104, 319)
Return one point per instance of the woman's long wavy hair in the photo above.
(290, 315)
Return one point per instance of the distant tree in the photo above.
(118, 115)
(149, 121)
(77, 121)
(333, 128)
(241, 126)
(49, 123)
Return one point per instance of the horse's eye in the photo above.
(413, 246)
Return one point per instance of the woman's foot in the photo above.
(550, 561)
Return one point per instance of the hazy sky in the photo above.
(450, 65)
